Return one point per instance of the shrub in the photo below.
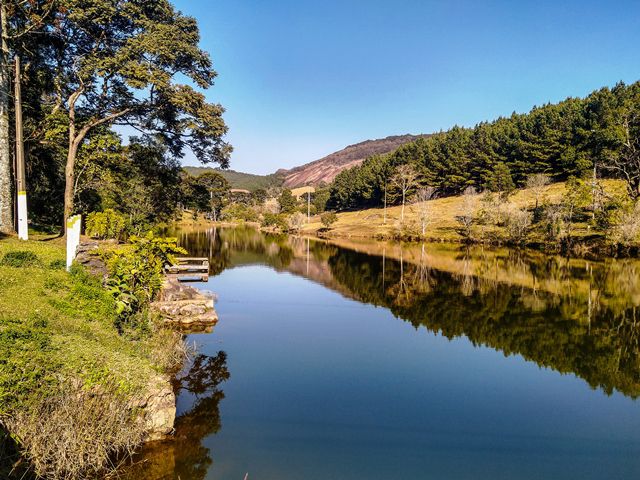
(627, 229)
(277, 221)
(58, 264)
(107, 224)
(517, 222)
(20, 258)
(467, 215)
(296, 221)
(135, 272)
(311, 209)
(75, 432)
(239, 211)
(328, 219)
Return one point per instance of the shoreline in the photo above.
(115, 388)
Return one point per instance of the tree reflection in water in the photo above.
(184, 455)
(573, 315)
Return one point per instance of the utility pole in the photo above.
(23, 226)
(308, 206)
(384, 221)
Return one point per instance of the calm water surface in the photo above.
(385, 361)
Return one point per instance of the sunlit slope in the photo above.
(442, 212)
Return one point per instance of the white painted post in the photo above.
(23, 227)
(73, 238)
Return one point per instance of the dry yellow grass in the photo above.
(443, 211)
(300, 191)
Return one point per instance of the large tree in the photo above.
(119, 62)
(19, 20)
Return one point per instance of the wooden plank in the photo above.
(188, 268)
(202, 260)
(189, 277)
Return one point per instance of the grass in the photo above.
(443, 211)
(302, 191)
(57, 329)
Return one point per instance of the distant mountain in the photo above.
(326, 168)
(313, 173)
(246, 181)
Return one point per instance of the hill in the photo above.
(313, 173)
(245, 181)
(325, 169)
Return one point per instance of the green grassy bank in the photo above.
(67, 374)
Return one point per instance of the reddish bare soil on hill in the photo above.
(326, 168)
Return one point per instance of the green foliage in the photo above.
(259, 196)
(239, 211)
(58, 264)
(328, 219)
(304, 209)
(287, 201)
(320, 198)
(107, 224)
(500, 180)
(245, 181)
(561, 140)
(135, 273)
(58, 340)
(20, 259)
(278, 221)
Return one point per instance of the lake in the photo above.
(378, 360)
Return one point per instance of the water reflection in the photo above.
(185, 456)
(571, 315)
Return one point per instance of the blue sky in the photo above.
(301, 79)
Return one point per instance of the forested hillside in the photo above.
(246, 181)
(570, 138)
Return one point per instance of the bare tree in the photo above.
(424, 207)
(404, 180)
(626, 163)
(296, 221)
(467, 215)
(517, 222)
(537, 182)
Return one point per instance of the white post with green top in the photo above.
(73, 238)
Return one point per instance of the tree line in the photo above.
(567, 139)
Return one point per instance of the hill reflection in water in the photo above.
(572, 315)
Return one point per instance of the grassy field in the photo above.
(58, 333)
(301, 192)
(442, 212)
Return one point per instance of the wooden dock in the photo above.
(189, 269)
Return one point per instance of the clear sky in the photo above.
(301, 79)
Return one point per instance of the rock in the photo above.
(87, 256)
(180, 304)
(159, 406)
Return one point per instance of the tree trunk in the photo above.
(402, 211)
(69, 182)
(6, 203)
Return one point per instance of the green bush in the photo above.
(135, 272)
(278, 221)
(328, 219)
(20, 258)
(238, 211)
(107, 224)
(58, 264)
(312, 210)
